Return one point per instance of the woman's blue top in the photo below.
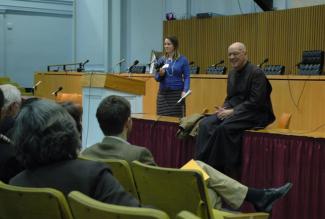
(177, 75)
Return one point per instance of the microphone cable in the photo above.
(296, 104)
(88, 106)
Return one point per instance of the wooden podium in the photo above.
(96, 87)
(126, 84)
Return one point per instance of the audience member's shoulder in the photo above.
(90, 148)
(139, 148)
(88, 164)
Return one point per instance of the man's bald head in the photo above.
(238, 45)
(237, 54)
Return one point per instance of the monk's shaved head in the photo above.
(237, 54)
(238, 45)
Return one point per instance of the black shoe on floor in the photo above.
(270, 196)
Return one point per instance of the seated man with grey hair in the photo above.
(47, 143)
(10, 106)
(12, 100)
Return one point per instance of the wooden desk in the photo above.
(70, 81)
(302, 96)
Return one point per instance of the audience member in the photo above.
(75, 110)
(113, 115)
(9, 105)
(46, 140)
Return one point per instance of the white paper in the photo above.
(165, 66)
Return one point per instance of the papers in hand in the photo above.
(193, 165)
(165, 66)
(183, 97)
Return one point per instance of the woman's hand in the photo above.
(183, 93)
(162, 72)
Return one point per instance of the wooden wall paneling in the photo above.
(281, 36)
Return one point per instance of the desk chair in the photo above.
(312, 63)
(274, 69)
(218, 70)
(138, 69)
(194, 69)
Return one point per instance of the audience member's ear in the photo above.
(13, 109)
(128, 123)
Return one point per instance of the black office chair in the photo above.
(138, 69)
(312, 62)
(194, 69)
(219, 70)
(274, 69)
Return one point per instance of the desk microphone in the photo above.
(264, 61)
(36, 85)
(183, 97)
(219, 63)
(55, 93)
(134, 64)
(120, 62)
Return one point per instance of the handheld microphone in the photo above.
(183, 97)
(159, 64)
(264, 61)
(134, 64)
(219, 63)
(55, 93)
(36, 85)
(191, 63)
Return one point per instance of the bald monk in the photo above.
(247, 105)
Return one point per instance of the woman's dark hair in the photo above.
(112, 114)
(44, 133)
(174, 41)
(75, 110)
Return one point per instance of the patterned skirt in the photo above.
(167, 103)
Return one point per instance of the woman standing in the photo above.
(173, 73)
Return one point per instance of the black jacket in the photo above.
(91, 178)
(9, 166)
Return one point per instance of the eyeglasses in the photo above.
(234, 54)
